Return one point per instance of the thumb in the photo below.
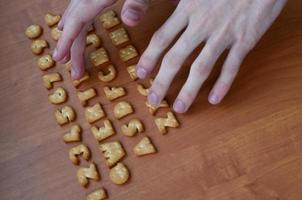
(133, 11)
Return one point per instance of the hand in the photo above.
(75, 22)
(222, 24)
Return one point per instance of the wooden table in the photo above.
(248, 147)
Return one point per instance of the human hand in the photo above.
(222, 24)
(75, 22)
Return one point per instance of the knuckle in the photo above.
(159, 39)
(171, 59)
(201, 71)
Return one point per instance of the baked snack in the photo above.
(76, 151)
(38, 45)
(163, 123)
(65, 115)
(94, 113)
(104, 132)
(133, 127)
(93, 39)
(86, 95)
(99, 194)
(119, 174)
(74, 135)
(144, 147)
(119, 36)
(142, 89)
(78, 82)
(113, 152)
(109, 19)
(49, 79)
(153, 109)
(98, 57)
(45, 62)
(58, 96)
(33, 31)
(128, 53)
(55, 33)
(51, 19)
(86, 173)
(132, 72)
(122, 109)
(113, 93)
(109, 76)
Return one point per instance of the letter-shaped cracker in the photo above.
(85, 173)
(55, 33)
(144, 147)
(51, 19)
(104, 132)
(94, 113)
(132, 72)
(153, 110)
(74, 135)
(133, 127)
(65, 115)
(37, 46)
(142, 89)
(45, 62)
(119, 174)
(99, 194)
(109, 19)
(114, 92)
(162, 123)
(128, 53)
(49, 79)
(93, 39)
(78, 82)
(109, 76)
(85, 95)
(58, 96)
(98, 57)
(113, 152)
(76, 151)
(119, 36)
(122, 109)
(33, 31)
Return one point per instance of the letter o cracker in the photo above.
(45, 62)
(33, 31)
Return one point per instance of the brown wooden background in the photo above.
(248, 147)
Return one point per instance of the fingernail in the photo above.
(141, 73)
(55, 54)
(214, 99)
(179, 106)
(152, 98)
(132, 14)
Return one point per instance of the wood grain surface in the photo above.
(248, 147)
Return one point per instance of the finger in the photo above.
(77, 55)
(66, 13)
(160, 41)
(199, 72)
(133, 11)
(81, 14)
(228, 73)
(171, 64)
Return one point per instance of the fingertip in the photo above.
(141, 72)
(179, 106)
(214, 99)
(131, 16)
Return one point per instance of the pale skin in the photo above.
(236, 25)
